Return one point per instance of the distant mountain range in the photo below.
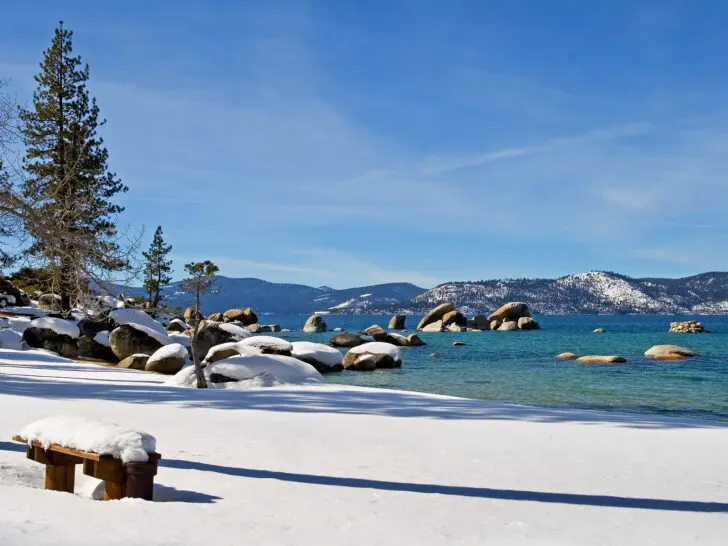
(595, 292)
(268, 297)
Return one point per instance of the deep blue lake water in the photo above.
(519, 367)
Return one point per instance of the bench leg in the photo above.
(114, 490)
(60, 477)
(140, 480)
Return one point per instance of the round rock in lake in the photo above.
(508, 326)
(215, 317)
(315, 324)
(567, 356)
(397, 322)
(458, 344)
(415, 341)
(527, 323)
(372, 356)
(658, 350)
(601, 359)
(598, 331)
(454, 317)
(346, 339)
(687, 327)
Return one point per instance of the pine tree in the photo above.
(200, 281)
(69, 188)
(157, 268)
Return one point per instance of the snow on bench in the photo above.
(125, 459)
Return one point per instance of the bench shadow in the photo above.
(166, 493)
(608, 501)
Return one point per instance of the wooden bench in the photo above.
(120, 480)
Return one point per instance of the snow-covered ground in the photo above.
(325, 464)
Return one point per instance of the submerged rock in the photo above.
(601, 359)
(566, 356)
(658, 350)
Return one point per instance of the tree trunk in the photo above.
(201, 382)
(66, 285)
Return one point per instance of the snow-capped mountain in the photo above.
(585, 293)
(268, 297)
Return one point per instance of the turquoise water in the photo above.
(519, 367)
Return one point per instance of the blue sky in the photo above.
(358, 142)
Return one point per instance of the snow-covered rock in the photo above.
(102, 338)
(129, 339)
(248, 371)
(60, 326)
(177, 325)
(211, 334)
(139, 319)
(268, 345)
(90, 435)
(168, 359)
(182, 339)
(385, 355)
(53, 334)
(322, 357)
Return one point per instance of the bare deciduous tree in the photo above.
(200, 281)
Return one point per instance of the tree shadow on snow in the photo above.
(608, 501)
(332, 399)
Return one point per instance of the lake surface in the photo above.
(519, 367)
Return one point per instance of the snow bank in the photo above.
(102, 338)
(182, 339)
(267, 341)
(378, 348)
(173, 350)
(262, 370)
(238, 331)
(135, 318)
(10, 340)
(19, 324)
(58, 325)
(318, 352)
(91, 435)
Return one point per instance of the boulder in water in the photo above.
(435, 315)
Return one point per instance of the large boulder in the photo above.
(398, 339)
(50, 302)
(373, 330)
(435, 315)
(191, 315)
(479, 322)
(134, 362)
(222, 351)
(397, 322)
(90, 326)
(687, 327)
(657, 350)
(454, 317)
(11, 294)
(315, 324)
(510, 311)
(324, 358)
(527, 323)
(373, 355)
(167, 360)
(246, 316)
(433, 327)
(96, 348)
(566, 356)
(177, 325)
(215, 317)
(346, 339)
(415, 341)
(53, 334)
(508, 326)
(214, 333)
(130, 339)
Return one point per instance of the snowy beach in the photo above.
(326, 463)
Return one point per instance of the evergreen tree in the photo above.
(200, 281)
(157, 268)
(69, 188)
